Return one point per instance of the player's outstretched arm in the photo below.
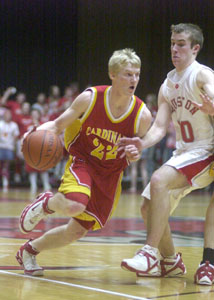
(157, 130)
(77, 108)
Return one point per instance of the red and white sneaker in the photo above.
(26, 258)
(145, 262)
(35, 212)
(205, 274)
(172, 266)
(169, 267)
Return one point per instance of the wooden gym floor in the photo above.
(90, 268)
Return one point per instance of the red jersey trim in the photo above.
(76, 175)
(195, 169)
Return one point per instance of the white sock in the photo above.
(33, 181)
(45, 181)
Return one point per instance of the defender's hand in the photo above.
(207, 105)
(132, 153)
(124, 142)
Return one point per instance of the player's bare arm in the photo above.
(75, 111)
(160, 125)
(156, 132)
(145, 122)
(131, 151)
(205, 81)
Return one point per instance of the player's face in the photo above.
(127, 80)
(182, 53)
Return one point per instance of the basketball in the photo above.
(42, 149)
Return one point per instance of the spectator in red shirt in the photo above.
(15, 105)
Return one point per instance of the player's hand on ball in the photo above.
(132, 153)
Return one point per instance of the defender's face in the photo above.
(127, 79)
(181, 52)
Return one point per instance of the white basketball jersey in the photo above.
(194, 129)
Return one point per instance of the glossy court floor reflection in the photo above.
(90, 268)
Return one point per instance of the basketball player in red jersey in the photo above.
(91, 184)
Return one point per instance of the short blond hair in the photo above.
(121, 58)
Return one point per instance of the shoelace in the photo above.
(141, 252)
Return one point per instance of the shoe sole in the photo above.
(126, 267)
(203, 283)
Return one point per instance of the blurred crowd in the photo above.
(18, 115)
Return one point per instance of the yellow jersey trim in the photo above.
(91, 106)
(108, 111)
(73, 130)
(137, 119)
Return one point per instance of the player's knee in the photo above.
(69, 207)
(74, 208)
(157, 182)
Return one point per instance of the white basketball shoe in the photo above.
(146, 262)
(35, 212)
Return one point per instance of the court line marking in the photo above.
(84, 287)
(72, 244)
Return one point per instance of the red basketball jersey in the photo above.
(100, 131)
(92, 143)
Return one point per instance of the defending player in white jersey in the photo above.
(189, 167)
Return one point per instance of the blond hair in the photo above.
(121, 58)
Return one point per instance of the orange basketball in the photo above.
(42, 149)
